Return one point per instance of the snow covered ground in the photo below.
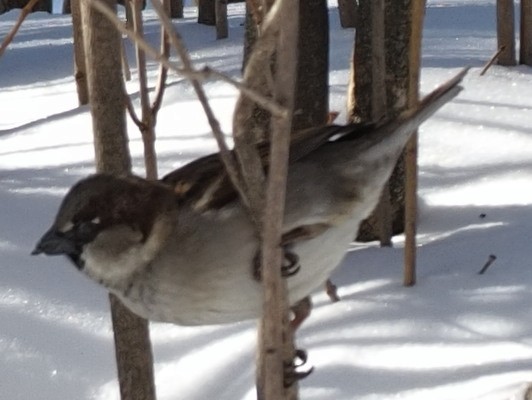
(456, 335)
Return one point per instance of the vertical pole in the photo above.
(411, 168)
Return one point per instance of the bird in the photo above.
(181, 250)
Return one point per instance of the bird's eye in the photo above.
(85, 231)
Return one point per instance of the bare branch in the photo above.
(263, 101)
(23, 14)
(225, 154)
(163, 71)
(132, 113)
(276, 344)
(190, 73)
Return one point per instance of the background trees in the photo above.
(317, 113)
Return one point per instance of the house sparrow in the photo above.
(181, 250)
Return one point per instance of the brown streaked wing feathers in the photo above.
(193, 183)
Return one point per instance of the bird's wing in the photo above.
(204, 183)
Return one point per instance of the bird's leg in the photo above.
(290, 265)
(291, 374)
(332, 291)
(301, 310)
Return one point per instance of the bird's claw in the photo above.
(291, 375)
(290, 265)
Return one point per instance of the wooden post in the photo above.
(506, 32)
(525, 49)
(411, 168)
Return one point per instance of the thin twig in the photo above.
(190, 73)
(23, 14)
(163, 71)
(132, 113)
(492, 60)
(225, 155)
(263, 101)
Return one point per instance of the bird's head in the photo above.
(108, 213)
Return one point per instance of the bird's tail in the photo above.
(394, 134)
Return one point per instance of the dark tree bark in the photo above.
(397, 38)
(221, 19)
(42, 5)
(348, 12)
(67, 7)
(176, 9)
(206, 12)
(312, 88)
(506, 32)
(525, 49)
(102, 44)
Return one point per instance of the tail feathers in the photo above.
(407, 122)
(433, 102)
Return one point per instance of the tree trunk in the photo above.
(312, 89)
(42, 5)
(525, 40)
(67, 7)
(221, 19)
(506, 32)
(348, 11)
(206, 12)
(80, 72)
(397, 39)
(176, 9)
(102, 44)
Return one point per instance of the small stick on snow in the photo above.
(492, 60)
(490, 261)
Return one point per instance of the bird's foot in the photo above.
(290, 265)
(291, 373)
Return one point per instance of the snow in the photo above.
(455, 335)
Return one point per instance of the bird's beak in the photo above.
(54, 242)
